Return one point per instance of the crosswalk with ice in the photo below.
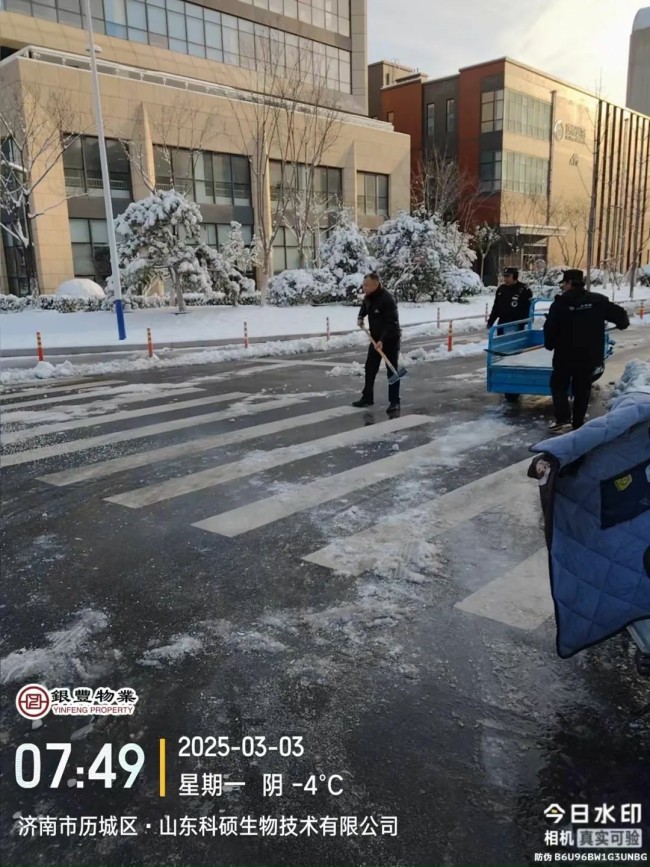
(519, 598)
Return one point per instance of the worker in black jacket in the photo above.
(383, 323)
(512, 300)
(575, 331)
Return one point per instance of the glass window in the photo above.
(490, 171)
(213, 36)
(157, 20)
(137, 14)
(115, 11)
(176, 25)
(451, 115)
(195, 31)
(230, 40)
(79, 231)
(179, 45)
(372, 194)
(492, 111)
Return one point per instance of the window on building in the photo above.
(490, 171)
(190, 28)
(431, 124)
(285, 251)
(204, 177)
(387, 78)
(527, 116)
(525, 174)
(492, 111)
(372, 194)
(83, 173)
(390, 117)
(326, 184)
(90, 253)
(451, 115)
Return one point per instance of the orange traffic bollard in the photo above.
(487, 312)
(438, 319)
(641, 311)
(328, 328)
(39, 346)
(450, 336)
(246, 344)
(149, 343)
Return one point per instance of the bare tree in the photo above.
(294, 121)
(441, 187)
(179, 128)
(572, 217)
(485, 238)
(36, 129)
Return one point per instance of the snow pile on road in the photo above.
(178, 648)
(636, 377)
(80, 287)
(69, 653)
(354, 369)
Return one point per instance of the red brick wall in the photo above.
(405, 101)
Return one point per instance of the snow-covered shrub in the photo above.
(14, 304)
(415, 252)
(345, 250)
(643, 275)
(70, 304)
(598, 277)
(462, 283)
(81, 287)
(351, 288)
(302, 286)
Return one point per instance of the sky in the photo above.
(584, 42)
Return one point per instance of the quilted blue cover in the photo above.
(601, 525)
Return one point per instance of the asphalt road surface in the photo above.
(255, 558)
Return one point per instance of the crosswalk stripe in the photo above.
(115, 397)
(301, 497)
(520, 598)
(363, 551)
(181, 485)
(38, 454)
(73, 385)
(103, 469)
(123, 415)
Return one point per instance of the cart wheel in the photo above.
(512, 398)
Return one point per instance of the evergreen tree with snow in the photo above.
(157, 235)
(345, 251)
(417, 253)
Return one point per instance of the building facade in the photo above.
(182, 84)
(526, 145)
(638, 66)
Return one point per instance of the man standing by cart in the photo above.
(512, 300)
(383, 320)
(575, 331)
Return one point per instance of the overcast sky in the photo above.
(582, 41)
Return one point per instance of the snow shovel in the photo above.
(397, 374)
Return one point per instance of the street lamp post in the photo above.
(106, 183)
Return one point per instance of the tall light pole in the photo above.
(106, 181)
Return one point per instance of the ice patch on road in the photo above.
(178, 648)
(255, 642)
(69, 653)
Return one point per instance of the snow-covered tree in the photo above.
(416, 252)
(236, 253)
(485, 237)
(345, 250)
(159, 234)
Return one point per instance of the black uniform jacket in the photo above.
(511, 303)
(575, 328)
(383, 320)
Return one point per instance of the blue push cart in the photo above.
(517, 362)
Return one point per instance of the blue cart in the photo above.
(517, 362)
